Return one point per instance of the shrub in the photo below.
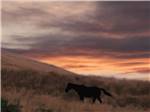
(6, 107)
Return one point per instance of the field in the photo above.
(34, 91)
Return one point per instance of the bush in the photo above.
(6, 107)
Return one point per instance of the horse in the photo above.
(84, 91)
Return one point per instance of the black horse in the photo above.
(83, 91)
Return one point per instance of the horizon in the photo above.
(110, 39)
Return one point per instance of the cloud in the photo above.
(122, 18)
(121, 48)
(110, 30)
(142, 70)
(14, 12)
(109, 17)
(125, 16)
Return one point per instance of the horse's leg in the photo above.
(81, 98)
(100, 100)
(94, 99)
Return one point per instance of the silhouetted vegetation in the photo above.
(127, 93)
(8, 107)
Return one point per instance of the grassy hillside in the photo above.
(10, 60)
(44, 92)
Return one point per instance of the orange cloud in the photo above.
(89, 65)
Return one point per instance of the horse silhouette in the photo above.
(91, 92)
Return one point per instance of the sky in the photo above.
(91, 38)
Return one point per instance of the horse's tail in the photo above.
(106, 93)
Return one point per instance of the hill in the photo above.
(38, 87)
(19, 62)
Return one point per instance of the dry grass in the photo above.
(44, 92)
(31, 102)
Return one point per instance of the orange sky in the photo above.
(96, 38)
(100, 66)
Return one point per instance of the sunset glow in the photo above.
(97, 66)
(90, 38)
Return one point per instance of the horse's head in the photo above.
(69, 86)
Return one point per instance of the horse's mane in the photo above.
(76, 87)
(73, 84)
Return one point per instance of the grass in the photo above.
(44, 92)
(32, 102)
